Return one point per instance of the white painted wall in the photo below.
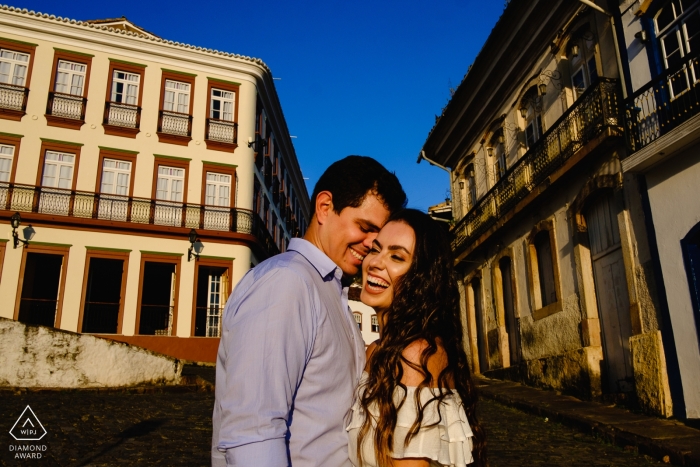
(42, 357)
(367, 311)
(673, 195)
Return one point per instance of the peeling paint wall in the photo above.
(42, 357)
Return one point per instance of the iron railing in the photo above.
(66, 106)
(222, 131)
(100, 318)
(591, 115)
(174, 123)
(122, 115)
(37, 311)
(89, 205)
(208, 321)
(13, 97)
(662, 104)
(156, 320)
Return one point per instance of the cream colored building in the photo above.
(550, 237)
(364, 315)
(115, 147)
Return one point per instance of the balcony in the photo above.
(221, 135)
(122, 119)
(98, 211)
(596, 114)
(174, 127)
(13, 101)
(65, 110)
(663, 104)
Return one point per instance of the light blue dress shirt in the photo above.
(289, 361)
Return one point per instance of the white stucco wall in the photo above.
(367, 311)
(673, 195)
(38, 356)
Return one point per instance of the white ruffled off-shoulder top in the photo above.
(445, 436)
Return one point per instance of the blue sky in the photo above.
(357, 77)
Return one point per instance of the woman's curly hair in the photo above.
(426, 306)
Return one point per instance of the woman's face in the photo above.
(387, 261)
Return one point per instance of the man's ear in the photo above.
(324, 205)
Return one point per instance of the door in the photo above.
(40, 289)
(611, 293)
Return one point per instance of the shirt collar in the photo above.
(318, 259)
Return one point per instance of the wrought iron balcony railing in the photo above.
(222, 131)
(66, 106)
(591, 115)
(122, 115)
(662, 104)
(13, 97)
(134, 211)
(174, 123)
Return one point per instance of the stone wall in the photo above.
(43, 357)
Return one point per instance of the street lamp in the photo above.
(15, 221)
(195, 246)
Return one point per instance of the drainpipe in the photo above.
(617, 47)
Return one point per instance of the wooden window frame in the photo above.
(539, 311)
(59, 146)
(93, 252)
(51, 249)
(157, 257)
(23, 47)
(225, 169)
(357, 313)
(214, 262)
(122, 155)
(225, 86)
(129, 68)
(371, 325)
(184, 78)
(12, 140)
(177, 162)
(3, 247)
(60, 54)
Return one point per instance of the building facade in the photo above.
(147, 176)
(550, 237)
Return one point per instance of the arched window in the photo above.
(531, 112)
(581, 52)
(375, 324)
(358, 319)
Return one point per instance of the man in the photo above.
(291, 354)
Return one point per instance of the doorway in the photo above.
(41, 286)
(212, 293)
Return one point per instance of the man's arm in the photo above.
(268, 334)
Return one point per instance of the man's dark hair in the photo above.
(351, 178)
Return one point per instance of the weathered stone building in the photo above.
(550, 234)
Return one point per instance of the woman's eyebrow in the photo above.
(376, 243)
(398, 247)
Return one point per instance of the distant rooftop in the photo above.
(122, 24)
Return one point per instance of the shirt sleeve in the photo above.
(267, 337)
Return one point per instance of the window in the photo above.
(504, 288)
(115, 173)
(169, 188)
(66, 104)
(171, 181)
(499, 165)
(122, 104)
(41, 285)
(222, 129)
(7, 153)
(177, 96)
(103, 290)
(222, 103)
(212, 287)
(58, 170)
(375, 323)
(678, 30)
(13, 67)
(533, 131)
(581, 49)
(70, 78)
(158, 291)
(543, 270)
(358, 319)
(16, 60)
(175, 119)
(218, 189)
(116, 177)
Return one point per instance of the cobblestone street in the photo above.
(105, 429)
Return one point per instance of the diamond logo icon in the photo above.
(28, 427)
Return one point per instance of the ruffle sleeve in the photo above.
(445, 436)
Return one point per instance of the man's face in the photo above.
(348, 236)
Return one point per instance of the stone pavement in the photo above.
(173, 428)
(667, 440)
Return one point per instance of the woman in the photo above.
(416, 389)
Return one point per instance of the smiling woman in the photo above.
(416, 384)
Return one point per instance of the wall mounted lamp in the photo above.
(15, 222)
(256, 143)
(642, 36)
(523, 111)
(196, 246)
(489, 151)
(501, 139)
(543, 88)
(574, 50)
